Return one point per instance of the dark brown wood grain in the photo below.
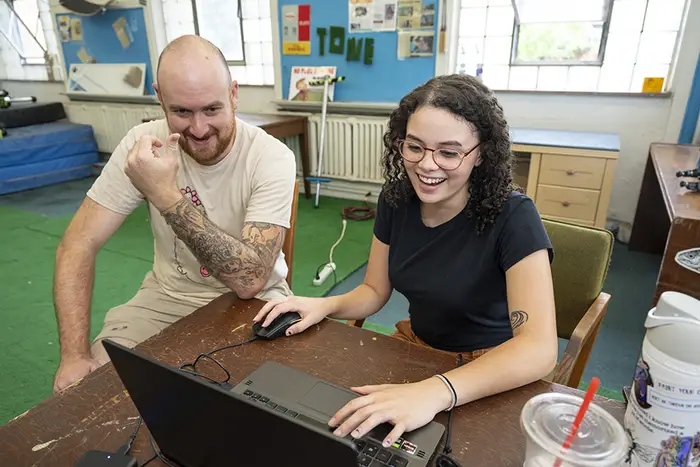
(97, 413)
(668, 216)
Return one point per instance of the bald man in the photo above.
(219, 195)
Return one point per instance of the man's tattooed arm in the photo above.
(243, 265)
(517, 319)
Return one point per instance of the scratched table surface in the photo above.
(97, 413)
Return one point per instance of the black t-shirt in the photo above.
(454, 280)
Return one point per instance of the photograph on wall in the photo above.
(305, 83)
(64, 28)
(296, 30)
(415, 43)
(372, 15)
(409, 14)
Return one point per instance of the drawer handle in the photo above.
(565, 204)
(570, 172)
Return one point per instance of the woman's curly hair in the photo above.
(490, 183)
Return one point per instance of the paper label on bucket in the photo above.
(663, 419)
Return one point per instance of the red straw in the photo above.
(592, 389)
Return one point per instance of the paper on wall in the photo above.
(121, 28)
(76, 29)
(300, 88)
(416, 43)
(409, 14)
(372, 15)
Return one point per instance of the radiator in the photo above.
(110, 122)
(353, 146)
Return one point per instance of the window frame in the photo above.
(239, 14)
(601, 49)
(16, 21)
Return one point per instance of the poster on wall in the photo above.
(296, 29)
(416, 43)
(302, 86)
(372, 15)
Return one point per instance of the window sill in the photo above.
(153, 100)
(366, 108)
(644, 95)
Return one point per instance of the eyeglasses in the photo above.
(446, 159)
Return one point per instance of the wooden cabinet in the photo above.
(568, 174)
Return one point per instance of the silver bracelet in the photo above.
(451, 388)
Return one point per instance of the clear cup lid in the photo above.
(600, 440)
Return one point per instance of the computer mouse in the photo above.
(277, 327)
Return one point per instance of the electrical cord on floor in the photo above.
(444, 459)
(354, 213)
(193, 365)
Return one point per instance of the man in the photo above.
(219, 194)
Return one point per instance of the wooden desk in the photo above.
(98, 414)
(668, 217)
(568, 174)
(281, 126)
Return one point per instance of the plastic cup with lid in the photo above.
(546, 421)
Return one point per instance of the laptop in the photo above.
(277, 416)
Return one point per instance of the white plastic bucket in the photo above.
(663, 411)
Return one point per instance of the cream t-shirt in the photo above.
(253, 183)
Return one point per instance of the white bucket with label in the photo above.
(663, 411)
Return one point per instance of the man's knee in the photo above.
(100, 354)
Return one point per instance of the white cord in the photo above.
(330, 258)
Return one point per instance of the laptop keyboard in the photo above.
(371, 453)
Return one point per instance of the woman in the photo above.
(470, 255)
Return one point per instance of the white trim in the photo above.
(452, 35)
(276, 56)
(155, 33)
(348, 190)
(365, 108)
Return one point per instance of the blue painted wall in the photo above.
(387, 79)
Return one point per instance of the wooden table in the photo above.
(281, 126)
(98, 414)
(668, 216)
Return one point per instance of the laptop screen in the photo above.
(196, 423)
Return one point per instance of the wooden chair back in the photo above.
(288, 245)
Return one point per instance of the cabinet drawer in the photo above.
(572, 171)
(570, 203)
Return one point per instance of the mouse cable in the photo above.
(160, 455)
(444, 459)
(193, 365)
(127, 447)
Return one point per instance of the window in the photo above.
(590, 45)
(242, 29)
(23, 30)
(573, 33)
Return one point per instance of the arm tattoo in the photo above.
(240, 264)
(517, 319)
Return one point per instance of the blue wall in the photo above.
(101, 42)
(387, 79)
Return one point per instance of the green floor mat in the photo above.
(317, 230)
(134, 237)
(14, 219)
(28, 331)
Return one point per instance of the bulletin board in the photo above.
(386, 80)
(117, 36)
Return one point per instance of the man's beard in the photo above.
(208, 154)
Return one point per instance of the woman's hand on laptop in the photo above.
(406, 406)
(311, 310)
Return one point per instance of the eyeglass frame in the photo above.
(399, 144)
